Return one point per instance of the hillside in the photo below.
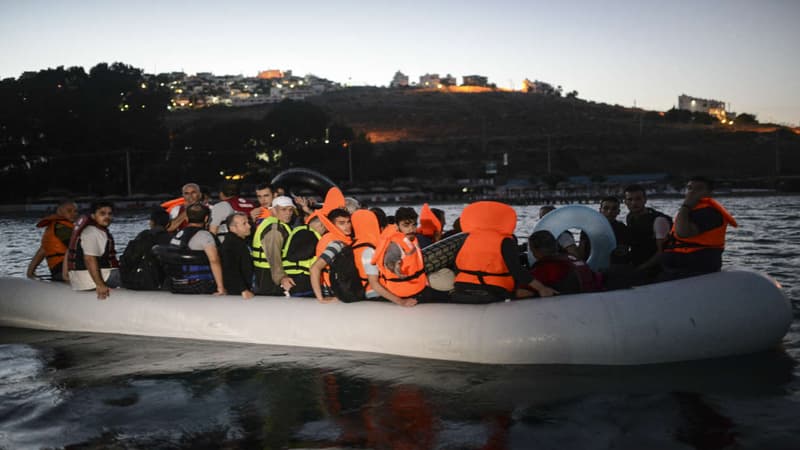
(448, 135)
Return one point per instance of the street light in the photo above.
(349, 160)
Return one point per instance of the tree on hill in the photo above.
(73, 128)
(745, 118)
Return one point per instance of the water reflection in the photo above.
(116, 390)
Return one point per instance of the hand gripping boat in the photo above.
(716, 315)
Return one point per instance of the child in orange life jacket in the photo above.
(338, 235)
(399, 260)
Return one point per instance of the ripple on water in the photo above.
(27, 397)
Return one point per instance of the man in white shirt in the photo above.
(91, 257)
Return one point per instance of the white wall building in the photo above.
(429, 80)
(694, 104)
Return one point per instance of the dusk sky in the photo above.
(620, 52)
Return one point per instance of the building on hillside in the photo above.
(249, 100)
(400, 80)
(205, 89)
(540, 87)
(429, 80)
(449, 80)
(270, 74)
(714, 108)
(475, 80)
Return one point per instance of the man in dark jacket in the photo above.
(648, 230)
(237, 263)
(139, 267)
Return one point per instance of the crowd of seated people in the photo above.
(339, 251)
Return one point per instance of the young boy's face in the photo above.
(103, 215)
(609, 209)
(344, 225)
(408, 227)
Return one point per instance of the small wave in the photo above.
(19, 362)
(27, 396)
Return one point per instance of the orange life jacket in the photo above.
(169, 204)
(480, 259)
(367, 232)
(413, 279)
(429, 224)
(713, 238)
(265, 212)
(54, 248)
(181, 204)
(333, 234)
(333, 199)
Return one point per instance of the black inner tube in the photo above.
(299, 177)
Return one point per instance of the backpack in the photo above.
(139, 268)
(345, 279)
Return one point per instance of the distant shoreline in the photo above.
(141, 204)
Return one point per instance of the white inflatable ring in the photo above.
(591, 222)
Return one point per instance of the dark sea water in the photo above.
(81, 390)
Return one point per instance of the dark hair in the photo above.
(159, 217)
(205, 190)
(97, 204)
(546, 208)
(636, 188)
(610, 198)
(543, 241)
(229, 189)
(229, 219)
(262, 186)
(457, 225)
(65, 202)
(383, 221)
(197, 213)
(338, 212)
(439, 215)
(705, 180)
(405, 213)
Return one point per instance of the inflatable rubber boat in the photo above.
(722, 314)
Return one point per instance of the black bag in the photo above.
(345, 279)
(139, 268)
